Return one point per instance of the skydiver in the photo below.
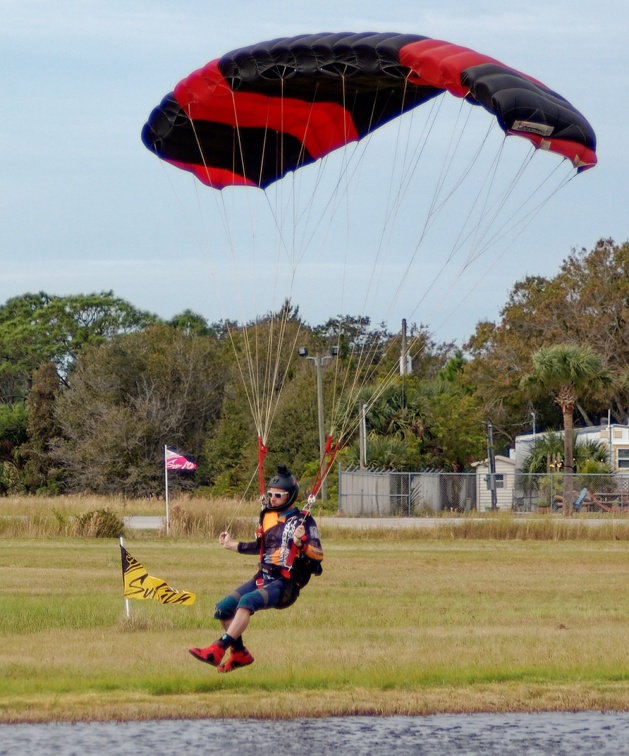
(284, 530)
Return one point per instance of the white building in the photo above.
(504, 482)
(614, 437)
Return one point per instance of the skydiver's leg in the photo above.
(238, 624)
(226, 611)
(234, 613)
(262, 598)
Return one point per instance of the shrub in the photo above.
(100, 523)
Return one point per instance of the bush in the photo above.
(100, 523)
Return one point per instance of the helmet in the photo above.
(285, 481)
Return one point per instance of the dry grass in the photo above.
(196, 517)
(405, 625)
(32, 517)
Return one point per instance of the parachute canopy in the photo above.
(262, 111)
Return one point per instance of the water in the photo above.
(557, 734)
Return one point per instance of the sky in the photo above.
(87, 208)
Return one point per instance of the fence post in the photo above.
(340, 491)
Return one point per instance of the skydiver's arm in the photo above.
(248, 547)
(310, 545)
(227, 542)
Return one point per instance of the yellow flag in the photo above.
(138, 584)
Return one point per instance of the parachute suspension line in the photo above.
(199, 145)
(391, 209)
(438, 202)
(405, 162)
(262, 393)
(351, 419)
(239, 506)
(329, 455)
(222, 210)
(239, 137)
(409, 165)
(196, 229)
(489, 215)
(260, 375)
(458, 242)
(346, 419)
(274, 378)
(249, 386)
(264, 147)
(278, 378)
(344, 177)
(248, 374)
(472, 162)
(255, 385)
(298, 247)
(453, 145)
(277, 381)
(527, 218)
(437, 206)
(330, 207)
(282, 126)
(482, 243)
(339, 196)
(265, 390)
(422, 141)
(477, 249)
(353, 381)
(482, 195)
(345, 198)
(351, 384)
(523, 223)
(344, 412)
(434, 205)
(509, 226)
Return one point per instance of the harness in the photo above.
(294, 579)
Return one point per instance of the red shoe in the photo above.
(236, 659)
(211, 655)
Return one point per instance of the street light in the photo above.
(319, 361)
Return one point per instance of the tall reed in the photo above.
(195, 517)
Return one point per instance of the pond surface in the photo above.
(557, 734)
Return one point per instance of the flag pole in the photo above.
(126, 601)
(166, 485)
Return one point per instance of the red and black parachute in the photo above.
(259, 112)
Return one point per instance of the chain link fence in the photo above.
(410, 494)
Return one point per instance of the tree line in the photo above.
(91, 388)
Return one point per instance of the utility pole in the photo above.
(362, 436)
(491, 461)
(319, 361)
(405, 358)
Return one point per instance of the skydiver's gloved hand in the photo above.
(226, 542)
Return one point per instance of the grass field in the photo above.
(403, 623)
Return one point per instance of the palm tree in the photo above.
(550, 445)
(566, 371)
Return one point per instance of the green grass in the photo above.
(395, 625)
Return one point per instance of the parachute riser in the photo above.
(329, 455)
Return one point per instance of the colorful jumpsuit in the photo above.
(274, 586)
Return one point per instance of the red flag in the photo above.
(176, 461)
